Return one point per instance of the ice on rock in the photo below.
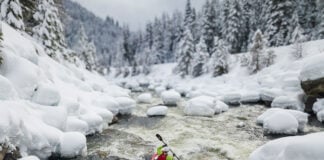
(157, 111)
(170, 98)
(301, 117)
(126, 105)
(286, 102)
(232, 98)
(159, 90)
(46, 94)
(145, 98)
(280, 123)
(107, 102)
(73, 144)
(220, 107)
(291, 148)
(200, 106)
(7, 90)
(250, 97)
(74, 124)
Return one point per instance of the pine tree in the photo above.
(208, 26)
(308, 12)
(1, 40)
(28, 10)
(158, 44)
(220, 58)
(49, 29)
(257, 52)
(200, 59)
(297, 40)
(319, 34)
(186, 50)
(11, 13)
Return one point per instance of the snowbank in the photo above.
(170, 98)
(157, 111)
(7, 91)
(298, 147)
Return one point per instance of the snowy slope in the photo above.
(48, 107)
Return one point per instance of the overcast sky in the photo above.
(135, 12)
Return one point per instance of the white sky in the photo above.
(135, 12)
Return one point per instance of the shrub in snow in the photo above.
(46, 94)
(232, 98)
(159, 90)
(301, 117)
(170, 98)
(126, 105)
(73, 144)
(74, 124)
(7, 90)
(286, 102)
(200, 106)
(220, 107)
(250, 97)
(298, 147)
(157, 111)
(280, 123)
(94, 122)
(107, 102)
(145, 98)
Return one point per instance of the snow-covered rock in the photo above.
(318, 105)
(94, 122)
(73, 144)
(107, 102)
(126, 105)
(232, 98)
(286, 102)
(29, 158)
(74, 124)
(157, 111)
(200, 106)
(159, 90)
(250, 97)
(301, 117)
(298, 147)
(220, 107)
(280, 123)
(268, 95)
(7, 90)
(170, 98)
(145, 98)
(320, 116)
(46, 94)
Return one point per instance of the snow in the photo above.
(297, 147)
(159, 90)
(48, 107)
(250, 97)
(29, 158)
(220, 107)
(286, 102)
(270, 94)
(126, 105)
(313, 68)
(280, 123)
(200, 106)
(144, 98)
(46, 94)
(318, 105)
(73, 144)
(301, 117)
(320, 116)
(232, 98)
(157, 111)
(170, 98)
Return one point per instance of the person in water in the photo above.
(162, 153)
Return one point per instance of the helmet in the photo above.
(165, 149)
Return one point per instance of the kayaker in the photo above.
(162, 153)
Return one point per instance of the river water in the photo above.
(232, 135)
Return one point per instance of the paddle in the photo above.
(161, 139)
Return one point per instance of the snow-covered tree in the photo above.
(200, 59)
(185, 55)
(49, 29)
(257, 51)
(1, 39)
(208, 25)
(11, 13)
(220, 58)
(297, 40)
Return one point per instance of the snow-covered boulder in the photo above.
(183, 90)
(286, 102)
(74, 124)
(126, 105)
(73, 144)
(301, 117)
(7, 90)
(318, 105)
(159, 90)
(46, 94)
(105, 114)
(107, 102)
(200, 106)
(220, 107)
(145, 98)
(250, 97)
(291, 148)
(268, 95)
(320, 116)
(232, 98)
(94, 122)
(170, 98)
(280, 123)
(157, 111)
